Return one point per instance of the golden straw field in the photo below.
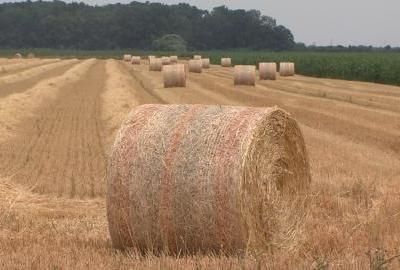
(58, 121)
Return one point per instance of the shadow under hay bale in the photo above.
(199, 178)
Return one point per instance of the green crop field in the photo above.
(379, 67)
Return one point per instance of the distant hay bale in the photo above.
(18, 56)
(195, 66)
(150, 56)
(197, 57)
(155, 64)
(174, 76)
(127, 57)
(286, 69)
(200, 178)
(135, 60)
(206, 62)
(226, 62)
(174, 59)
(30, 56)
(267, 71)
(166, 60)
(245, 75)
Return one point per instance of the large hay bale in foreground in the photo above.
(174, 59)
(195, 66)
(286, 69)
(206, 62)
(267, 71)
(174, 76)
(245, 75)
(155, 64)
(199, 178)
(135, 60)
(18, 56)
(197, 57)
(166, 60)
(127, 57)
(226, 62)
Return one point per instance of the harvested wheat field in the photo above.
(59, 120)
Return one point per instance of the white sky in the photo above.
(356, 22)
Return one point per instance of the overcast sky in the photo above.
(324, 22)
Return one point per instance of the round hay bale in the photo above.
(31, 55)
(206, 62)
(226, 62)
(155, 64)
(174, 59)
(267, 71)
(150, 56)
(127, 57)
(174, 76)
(200, 178)
(18, 56)
(245, 75)
(195, 66)
(135, 60)
(166, 60)
(286, 69)
(197, 57)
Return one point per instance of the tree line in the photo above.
(61, 25)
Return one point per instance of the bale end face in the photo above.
(226, 62)
(205, 63)
(195, 66)
(174, 76)
(212, 182)
(155, 64)
(267, 71)
(245, 75)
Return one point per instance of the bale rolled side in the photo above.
(18, 56)
(166, 60)
(127, 57)
(197, 57)
(286, 69)
(226, 62)
(206, 62)
(174, 59)
(174, 76)
(199, 178)
(245, 75)
(195, 66)
(155, 64)
(135, 60)
(267, 71)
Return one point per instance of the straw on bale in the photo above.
(267, 71)
(18, 56)
(245, 75)
(135, 60)
(206, 62)
(30, 55)
(226, 62)
(174, 59)
(155, 64)
(195, 66)
(127, 57)
(286, 69)
(197, 57)
(200, 178)
(166, 60)
(174, 76)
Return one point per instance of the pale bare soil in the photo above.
(58, 120)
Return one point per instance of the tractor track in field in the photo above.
(59, 150)
(21, 82)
